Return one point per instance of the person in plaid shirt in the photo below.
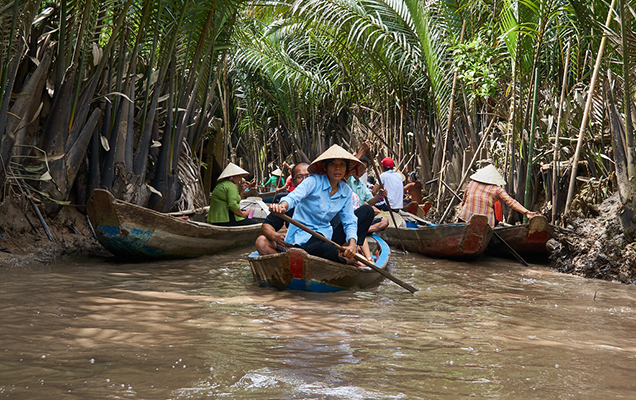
(482, 193)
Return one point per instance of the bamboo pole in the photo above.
(449, 124)
(586, 112)
(533, 127)
(555, 157)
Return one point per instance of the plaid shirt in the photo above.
(480, 198)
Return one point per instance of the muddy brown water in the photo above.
(195, 329)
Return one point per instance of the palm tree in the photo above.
(128, 75)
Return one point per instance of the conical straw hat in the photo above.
(356, 167)
(232, 170)
(488, 175)
(277, 172)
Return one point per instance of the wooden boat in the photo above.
(135, 232)
(462, 240)
(262, 195)
(528, 239)
(297, 270)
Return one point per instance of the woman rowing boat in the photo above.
(322, 196)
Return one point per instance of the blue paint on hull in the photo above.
(132, 244)
(301, 284)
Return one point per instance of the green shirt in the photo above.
(360, 188)
(273, 180)
(224, 200)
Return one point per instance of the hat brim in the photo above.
(489, 176)
(356, 167)
(232, 170)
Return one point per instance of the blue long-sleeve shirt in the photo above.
(314, 207)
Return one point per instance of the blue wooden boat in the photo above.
(297, 270)
(133, 232)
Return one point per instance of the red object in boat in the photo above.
(498, 211)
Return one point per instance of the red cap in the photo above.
(387, 162)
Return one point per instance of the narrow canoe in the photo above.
(297, 270)
(443, 241)
(527, 239)
(134, 232)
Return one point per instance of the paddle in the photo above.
(357, 256)
(415, 217)
(386, 199)
(495, 234)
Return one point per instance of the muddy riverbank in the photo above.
(24, 240)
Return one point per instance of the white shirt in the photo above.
(395, 191)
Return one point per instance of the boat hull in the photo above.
(464, 240)
(528, 239)
(297, 270)
(134, 232)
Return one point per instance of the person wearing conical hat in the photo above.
(224, 202)
(320, 198)
(483, 191)
(275, 179)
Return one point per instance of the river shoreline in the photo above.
(589, 247)
(23, 239)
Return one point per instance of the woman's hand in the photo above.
(349, 251)
(280, 240)
(241, 213)
(530, 214)
(279, 208)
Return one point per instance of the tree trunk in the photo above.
(23, 111)
(628, 211)
(56, 132)
(76, 154)
(626, 185)
(586, 111)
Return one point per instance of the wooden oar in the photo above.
(386, 199)
(495, 234)
(357, 256)
(415, 217)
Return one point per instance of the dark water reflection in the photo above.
(94, 329)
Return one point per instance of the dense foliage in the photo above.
(151, 98)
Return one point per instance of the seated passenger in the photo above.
(224, 202)
(392, 182)
(359, 188)
(483, 191)
(271, 241)
(298, 173)
(413, 189)
(321, 197)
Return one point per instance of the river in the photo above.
(195, 329)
